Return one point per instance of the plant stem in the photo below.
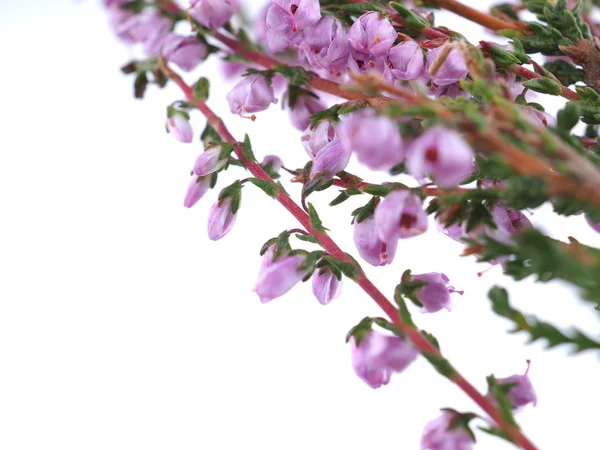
(486, 20)
(410, 330)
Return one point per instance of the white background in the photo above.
(123, 327)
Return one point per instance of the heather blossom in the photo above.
(325, 285)
(435, 294)
(287, 18)
(253, 94)
(521, 391)
(370, 247)
(442, 154)
(220, 219)
(209, 161)
(315, 139)
(372, 34)
(406, 61)
(184, 51)
(197, 187)
(303, 108)
(451, 70)
(331, 159)
(150, 28)
(400, 215)
(212, 13)
(325, 45)
(179, 125)
(443, 434)
(278, 277)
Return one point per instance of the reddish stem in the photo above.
(415, 336)
(486, 20)
(526, 73)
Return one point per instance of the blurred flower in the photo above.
(400, 215)
(184, 51)
(451, 70)
(279, 277)
(252, 94)
(442, 434)
(180, 127)
(303, 108)
(435, 295)
(212, 13)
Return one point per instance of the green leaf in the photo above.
(233, 192)
(315, 221)
(412, 19)
(247, 149)
(296, 75)
(500, 394)
(267, 186)
(544, 86)
(568, 117)
(441, 364)
(201, 89)
(307, 238)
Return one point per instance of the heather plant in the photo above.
(407, 97)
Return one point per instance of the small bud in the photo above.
(184, 51)
(212, 13)
(372, 249)
(209, 162)
(180, 127)
(377, 357)
(314, 140)
(441, 434)
(407, 61)
(331, 159)
(250, 95)
(279, 277)
(442, 154)
(522, 393)
(325, 285)
(196, 189)
(220, 219)
(435, 295)
(400, 215)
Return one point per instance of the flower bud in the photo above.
(377, 357)
(442, 154)
(184, 51)
(272, 164)
(314, 140)
(325, 285)
(522, 393)
(435, 295)
(279, 277)
(331, 159)
(197, 188)
(220, 219)
(400, 215)
(212, 13)
(372, 249)
(303, 108)
(372, 33)
(250, 95)
(407, 61)
(451, 70)
(442, 434)
(209, 162)
(180, 127)
(375, 139)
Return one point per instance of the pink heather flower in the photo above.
(151, 30)
(180, 127)
(377, 357)
(538, 117)
(196, 189)
(305, 106)
(439, 434)
(231, 69)
(252, 94)
(273, 161)
(595, 225)
(453, 69)
(331, 159)
(435, 295)
(279, 277)
(326, 45)
(212, 13)
(123, 24)
(184, 51)
(406, 61)
(374, 139)
(400, 215)
(325, 285)
(509, 223)
(372, 33)
(450, 90)
(220, 219)
(314, 140)
(114, 3)
(522, 393)
(286, 19)
(209, 162)
(454, 231)
(442, 154)
(372, 249)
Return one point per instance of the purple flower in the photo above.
(400, 215)
(442, 154)
(372, 249)
(450, 90)
(209, 162)
(595, 225)
(212, 13)
(279, 277)
(407, 61)
(196, 189)
(287, 18)
(435, 295)
(375, 139)
(231, 69)
(325, 285)
(372, 33)
(509, 223)
(314, 140)
(303, 108)
(522, 393)
(440, 434)
(538, 117)
(453, 68)
(123, 23)
(326, 45)
(151, 30)
(377, 356)
(180, 127)
(273, 163)
(331, 159)
(220, 219)
(114, 3)
(184, 51)
(250, 95)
